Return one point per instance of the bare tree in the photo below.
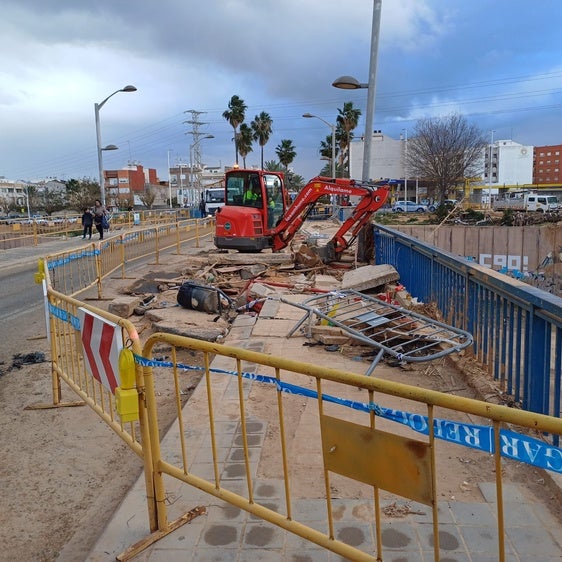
(445, 150)
(148, 197)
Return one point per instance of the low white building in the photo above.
(387, 157)
(12, 193)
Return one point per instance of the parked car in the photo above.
(449, 203)
(409, 207)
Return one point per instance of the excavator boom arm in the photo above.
(372, 197)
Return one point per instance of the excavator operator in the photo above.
(252, 195)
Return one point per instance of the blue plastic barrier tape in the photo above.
(75, 256)
(515, 446)
(65, 316)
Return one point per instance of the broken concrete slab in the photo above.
(124, 306)
(326, 282)
(369, 277)
(268, 258)
(259, 290)
(189, 323)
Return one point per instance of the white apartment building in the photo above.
(12, 193)
(511, 165)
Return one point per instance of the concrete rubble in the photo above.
(251, 283)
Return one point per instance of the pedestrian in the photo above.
(87, 222)
(99, 213)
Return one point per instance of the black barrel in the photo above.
(204, 298)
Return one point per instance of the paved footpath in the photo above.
(23, 255)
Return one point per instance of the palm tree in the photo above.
(235, 114)
(285, 151)
(346, 121)
(261, 127)
(273, 166)
(244, 141)
(325, 152)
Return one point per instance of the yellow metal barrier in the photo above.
(69, 361)
(245, 389)
(247, 405)
(79, 269)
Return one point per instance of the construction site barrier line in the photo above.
(515, 446)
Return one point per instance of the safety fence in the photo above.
(32, 231)
(239, 429)
(239, 425)
(79, 269)
(517, 328)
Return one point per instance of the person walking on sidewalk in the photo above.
(99, 214)
(87, 222)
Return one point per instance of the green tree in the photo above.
(346, 122)
(445, 150)
(34, 198)
(273, 166)
(326, 154)
(285, 151)
(235, 115)
(244, 141)
(82, 193)
(54, 201)
(297, 182)
(261, 127)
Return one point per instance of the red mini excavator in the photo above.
(258, 214)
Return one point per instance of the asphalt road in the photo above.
(22, 316)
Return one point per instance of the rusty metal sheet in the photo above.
(390, 462)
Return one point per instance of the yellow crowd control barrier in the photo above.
(248, 405)
(81, 268)
(240, 428)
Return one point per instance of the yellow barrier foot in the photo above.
(51, 406)
(139, 546)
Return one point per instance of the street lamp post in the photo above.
(406, 165)
(333, 128)
(191, 148)
(350, 83)
(489, 202)
(97, 107)
(27, 201)
(169, 180)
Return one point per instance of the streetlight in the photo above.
(169, 180)
(350, 83)
(97, 107)
(191, 147)
(27, 201)
(406, 165)
(333, 127)
(489, 202)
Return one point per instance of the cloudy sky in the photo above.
(498, 63)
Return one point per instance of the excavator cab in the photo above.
(255, 202)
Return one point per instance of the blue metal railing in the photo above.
(517, 328)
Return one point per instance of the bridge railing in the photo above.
(517, 328)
